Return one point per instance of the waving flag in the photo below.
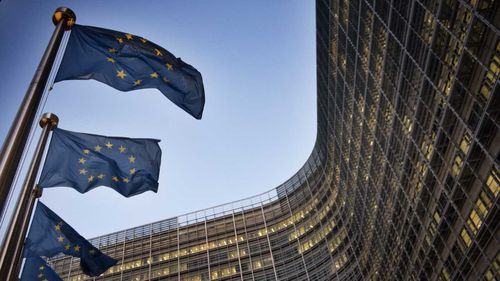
(128, 62)
(35, 268)
(85, 161)
(49, 235)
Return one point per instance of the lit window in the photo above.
(445, 275)
(474, 221)
(476, 216)
(407, 123)
(483, 204)
(494, 269)
(340, 262)
(257, 264)
(491, 75)
(433, 225)
(428, 151)
(437, 217)
(465, 143)
(494, 71)
(466, 237)
(457, 165)
(485, 91)
(492, 182)
(488, 275)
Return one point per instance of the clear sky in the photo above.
(258, 62)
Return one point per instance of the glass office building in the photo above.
(403, 181)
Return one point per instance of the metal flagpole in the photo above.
(15, 141)
(12, 246)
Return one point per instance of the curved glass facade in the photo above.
(403, 182)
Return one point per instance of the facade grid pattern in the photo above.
(403, 181)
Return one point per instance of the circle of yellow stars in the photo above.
(98, 148)
(120, 73)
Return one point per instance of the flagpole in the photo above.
(14, 144)
(12, 246)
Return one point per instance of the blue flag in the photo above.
(35, 268)
(49, 235)
(85, 161)
(128, 62)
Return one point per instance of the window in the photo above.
(340, 262)
(457, 165)
(445, 275)
(492, 74)
(434, 223)
(466, 237)
(465, 143)
(483, 203)
(477, 215)
(474, 221)
(492, 182)
(489, 274)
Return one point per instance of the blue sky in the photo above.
(257, 59)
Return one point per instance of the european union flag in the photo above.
(128, 62)
(85, 161)
(35, 268)
(49, 235)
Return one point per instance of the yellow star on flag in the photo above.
(137, 82)
(132, 171)
(121, 74)
(109, 145)
(83, 171)
(115, 179)
(45, 279)
(41, 267)
(121, 148)
(40, 275)
(132, 159)
(86, 151)
(143, 40)
(154, 75)
(112, 50)
(90, 178)
(82, 160)
(129, 36)
(165, 79)
(101, 176)
(67, 246)
(111, 60)
(169, 66)
(60, 238)
(98, 148)
(58, 227)
(77, 248)
(125, 180)
(120, 40)
(158, 53)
